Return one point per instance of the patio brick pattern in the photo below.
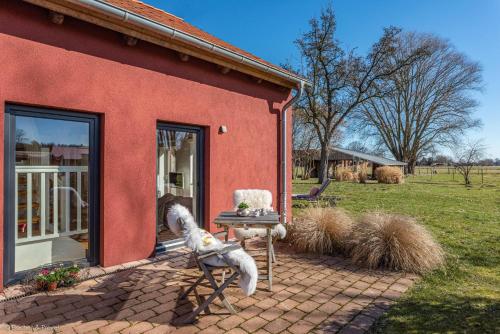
(311, 294)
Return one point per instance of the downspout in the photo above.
(284, 153)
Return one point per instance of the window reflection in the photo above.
(52, 189)
(176, 175)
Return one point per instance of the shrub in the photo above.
(390, 175)
(319, 230)
(394, 242)
(343, 174)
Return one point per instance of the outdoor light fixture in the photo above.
(223, 129)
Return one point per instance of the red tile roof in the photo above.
(160, 16)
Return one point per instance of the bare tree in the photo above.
(305, 144)
(304, 163)
(426, 104)
(340, 80)
(21, 136)
(358, 146)
(467, 155)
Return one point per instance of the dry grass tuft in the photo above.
(394, 242)
(319, 230)
(355, 177)
(389, 175)
(362, 175)
(343, 174)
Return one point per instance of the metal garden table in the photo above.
(230, 219)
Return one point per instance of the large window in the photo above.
(51, 182)
(178, 172)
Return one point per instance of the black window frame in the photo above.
(13, 110)
(200, 155)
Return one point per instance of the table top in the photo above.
(230, 217)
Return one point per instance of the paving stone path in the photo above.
(310, 294)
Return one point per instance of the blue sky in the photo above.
(269, 28)
(58, 132)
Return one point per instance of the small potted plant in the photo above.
(47, 280)
(50, 279)
(243, 209)
(69, 275)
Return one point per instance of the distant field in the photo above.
(465, 296)
(419, 170)
(478, 172)
(442, 177)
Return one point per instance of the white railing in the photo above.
(50, 229)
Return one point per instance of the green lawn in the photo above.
(465, 296)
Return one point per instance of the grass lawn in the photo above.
(465, 296)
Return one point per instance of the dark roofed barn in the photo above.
(339, 157)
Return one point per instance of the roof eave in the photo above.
(118, 19)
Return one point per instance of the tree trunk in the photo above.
(467, 177)
(323, 164)
(410, 167)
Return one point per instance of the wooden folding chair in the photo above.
(207, 273)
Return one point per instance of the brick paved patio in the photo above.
(310, 294)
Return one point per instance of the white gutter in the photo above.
(141, 21)
(284, 153)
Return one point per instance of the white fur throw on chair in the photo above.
(201, 241)
(256, 199)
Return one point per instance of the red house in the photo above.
(112, 111)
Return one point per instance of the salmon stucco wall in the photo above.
(80, 67)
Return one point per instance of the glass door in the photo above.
(178, 174)
(51, 189)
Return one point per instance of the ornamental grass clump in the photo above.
(343, 174)
(395, 242)
(389, 175)
(319, 230)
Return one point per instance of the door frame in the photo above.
(13, 110)
(200, 170)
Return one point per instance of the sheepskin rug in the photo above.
(181, 223)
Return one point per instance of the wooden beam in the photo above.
(129, 40)
(224, 70)
(55, 17)
(183, 57)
